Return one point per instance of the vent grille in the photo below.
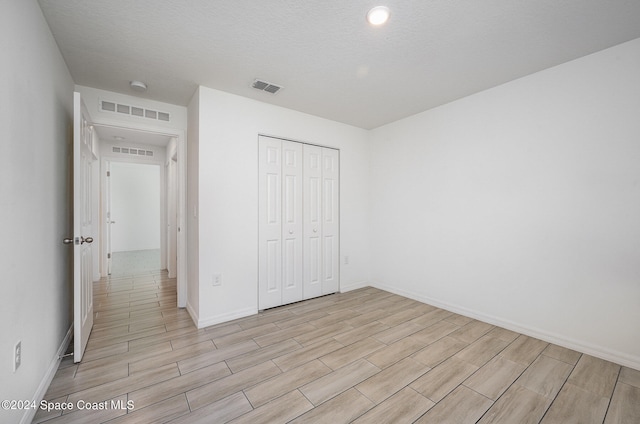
(132, 151)
(266, 86)
(106, 106)
(260, 85)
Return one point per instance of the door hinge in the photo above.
(108, 255)
(108, 173)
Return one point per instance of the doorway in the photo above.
(142, 178)
(134, 227)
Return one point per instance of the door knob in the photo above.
(315, 230)
(290, 231)
(84, 240)
(67, 240)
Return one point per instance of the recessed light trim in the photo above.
(378, 15)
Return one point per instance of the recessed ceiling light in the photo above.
(138, 86)
(378, 15)
(118, 137)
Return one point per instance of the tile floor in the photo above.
(365, 356)
(134, 262)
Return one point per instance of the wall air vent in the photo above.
(266, 86)
(132, 151)
(106, 106)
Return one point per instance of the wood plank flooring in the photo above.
(365, 356)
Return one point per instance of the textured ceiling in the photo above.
(330, 62)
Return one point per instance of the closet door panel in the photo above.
(312, 221)
(330, 221)
(270, 223)
(292, 224)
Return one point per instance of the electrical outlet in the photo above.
(217, 279)
(17, 356)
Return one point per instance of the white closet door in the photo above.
(298, 222)
(312, 221)
(292, 234)
(270, 223)
(330, 221)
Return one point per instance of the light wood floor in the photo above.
(365, 356)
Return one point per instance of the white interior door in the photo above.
(281, 222)
(298, 221)
(83, 159)
(291, 222)
(330, 221)
(312, 221)
(270, 223)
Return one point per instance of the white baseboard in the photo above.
(353, 286)
(620, 358)
(47, 378)
(219, 319)
(242, 313)
(192, 313)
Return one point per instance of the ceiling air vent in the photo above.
(266, 86)
(106, 106)
(132, 151)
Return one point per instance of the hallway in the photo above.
(128, 309)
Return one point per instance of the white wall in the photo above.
(227, 201)
(193, 229)
(520, 205)
(135, 206)
(35, 204)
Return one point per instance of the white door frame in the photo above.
(105, 195)
(181, 201)
(171, 212)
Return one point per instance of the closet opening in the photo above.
(299, 221)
